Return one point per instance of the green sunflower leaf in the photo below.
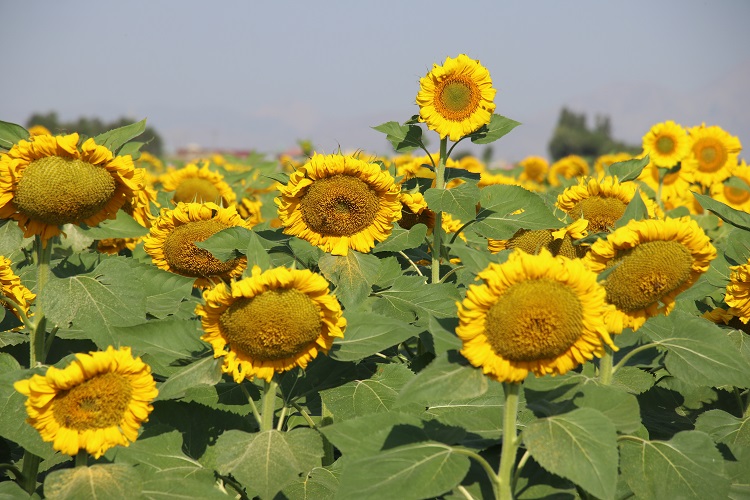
(728, 214)
(699, 352)
(402, 239)
(320, 482)
(266, 462)
(353, 274)
(628, 170)
(229, 243)
(460, 201)
(368, 333)
(686, 466)
(725, 428)
(449, 374)
(367, 435)
(419, 470)
(205, 371)
(176, 485)
(580, 445)
(498, 127)
(496, 218)
(636, 210)
(92, 305)
(157, 453)
(11, 134)
(116, 138)
(11, 239)
(97, 481)
(411, 296)
(124, 226)
(404, 138)
(367, 396)
(11, 490)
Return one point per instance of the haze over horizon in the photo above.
(242, 75)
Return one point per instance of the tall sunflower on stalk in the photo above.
(712, 154)
(172, 237)
(339, 203)
(50, 181)
(567, 167)
(666, 144)
(651, 262)
(533, 313)
(95, 403)
(457, 98)
(270, 322)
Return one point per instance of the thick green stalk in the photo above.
(510, 440)
(605, 366)
(37, 344)
(437, 231)
(82, 458)
(269, 405)
(30, 470)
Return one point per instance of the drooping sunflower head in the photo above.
(95, 403)
(666, 144)
(270, 322)
(50, 181)
(533, 313)
(738, 292)
(601, 201)
(197, 185)
(567, 167)
(535, 169)
(12, 288)
(557, 242)
(712, 154)
(457, 98)
(339, 203)
(171, 242)
(414, 211)
(651, 262)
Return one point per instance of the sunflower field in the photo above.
(348, 325)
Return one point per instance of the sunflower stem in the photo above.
(519, 468)
(30, 470)
(605, 366)
(269, 404)
(484, 464)
(282, 416)
(38, 341)
(17, 474)
(253, 407)
(416, 267)
(82, 458)
(12, 304)
(629, 355)
(510, 440)
(437, 231)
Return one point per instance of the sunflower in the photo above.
(666, 144)
(567, 167)
(414, 211)
(95, 403)
(712, 154)
(270, 322)
(535, 313)
(674, 185)
(457, 98)
(340, 202)
(736, 197)
(472, 164)
(171, 242)
(50, 181)
(601, 201)
(722, 316)
(535, 169)
(738, 292)
(139, 208)
(557, 242)
(409, 167)
(38, 130)
(193, 184)
(651, 262)
(150, 162)
(249, 209)
(12, 288)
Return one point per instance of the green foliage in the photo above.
(403, 138)
(573, 137)
(497, 128)
(116, 138)
(97, 481)
(498, 217)
(369, 333)
(628, 170)
(460, 201)
(92, 127)
(728, 214)
(10, 134)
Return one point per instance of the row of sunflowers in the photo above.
(338, 325)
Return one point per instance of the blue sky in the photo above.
(260, 75)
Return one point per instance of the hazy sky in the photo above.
(260, 75)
